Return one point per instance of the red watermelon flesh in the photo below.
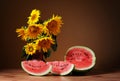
(35, 67)
(82, 57)
(61, 67)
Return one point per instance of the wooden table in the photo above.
(20, 75)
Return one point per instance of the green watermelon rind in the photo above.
(36, 74)
(83, 70)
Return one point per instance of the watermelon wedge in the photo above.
(35, 67)
(61, 67)
(82, 57)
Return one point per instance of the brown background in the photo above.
(95, 24)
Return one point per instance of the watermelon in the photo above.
(82, 57)
(61, 67)
(36, 67)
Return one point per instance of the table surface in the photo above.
(20, 75)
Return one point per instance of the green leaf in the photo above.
(30, 40)
(23, 53)
(54, 47)
(54, 37)
(47, 54)
(29, 57)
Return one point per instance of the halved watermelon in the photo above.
(35, 67)
(82, 57)
(61, 67)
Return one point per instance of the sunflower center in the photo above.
(44, 43)
(52, 25)
(34, 29)
(31, 49)
(33, 17)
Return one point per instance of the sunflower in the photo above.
(34, 30)
(30, 48)
(53, 25)
(21, 33)
(34, 17)
(44, 43)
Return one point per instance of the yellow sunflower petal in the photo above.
(53, 25)
(21, 33)
(34, 30)
(30, 48)
(44, 43)
(34, 17)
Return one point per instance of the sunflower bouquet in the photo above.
(39, 36)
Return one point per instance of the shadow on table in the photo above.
(96, 72)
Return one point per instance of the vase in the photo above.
(38, 56)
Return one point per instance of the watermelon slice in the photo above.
(35, 67)
(82, 57)
(61, 67)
